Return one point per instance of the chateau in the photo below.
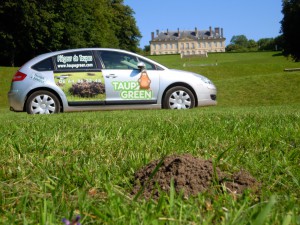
(195, 42)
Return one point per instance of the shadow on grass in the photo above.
(277, 54)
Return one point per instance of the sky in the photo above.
(255, 19)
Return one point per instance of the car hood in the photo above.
(204, 79)
(187, 72)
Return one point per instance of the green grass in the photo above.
(245, 79)
(57, 166)
(6, 75)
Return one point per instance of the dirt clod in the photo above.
(190, 175)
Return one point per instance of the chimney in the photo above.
(157, 32)
(217, 30)
(152, 35)
(221, 32)
(178, 32)
(210, 31)
(196, 32)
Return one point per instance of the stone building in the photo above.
(195, 42)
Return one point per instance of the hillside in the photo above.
(245, 79)
(242, 79)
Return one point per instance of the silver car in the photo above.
(104, 79)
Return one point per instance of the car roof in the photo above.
(50, 54)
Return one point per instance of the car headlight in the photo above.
(206, 80)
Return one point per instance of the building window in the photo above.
(182, 46)
(187, 45)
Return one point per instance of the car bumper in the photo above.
(15, 102)
(207, 96)
(209, 101)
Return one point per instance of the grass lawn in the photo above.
(57, 166)
(6, 75)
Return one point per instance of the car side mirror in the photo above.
(141, 66)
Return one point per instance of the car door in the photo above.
(125, 83)
(80, 78)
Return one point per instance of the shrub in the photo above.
(87, 89)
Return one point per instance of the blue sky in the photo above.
(255, 19)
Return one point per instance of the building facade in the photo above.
(195, 42)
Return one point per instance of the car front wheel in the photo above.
(179, 97)
(42, 102)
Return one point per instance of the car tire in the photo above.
(42, 102)
(179, 97)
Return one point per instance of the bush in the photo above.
(87, 89)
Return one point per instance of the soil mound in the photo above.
(190, 175)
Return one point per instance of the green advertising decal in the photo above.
(82, 86)
(134, 90)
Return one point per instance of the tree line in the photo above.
(31, 27)
(240, 43)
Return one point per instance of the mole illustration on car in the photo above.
(104, 79)
(144, 80)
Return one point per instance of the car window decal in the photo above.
(81, 86)
(82, 60)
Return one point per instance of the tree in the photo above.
(238, 43)
(146, 49)
(252, 45)
(290, 28)
(29, 28)
(278, 41)
(101, 29)
(88, 24)
(232, 48)
(7, 32)
(240, 40)
(266, 44)
(124, 25)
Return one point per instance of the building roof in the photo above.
(217, 33)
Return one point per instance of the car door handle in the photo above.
(111, 76)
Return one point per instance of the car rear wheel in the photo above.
(42, 102)
(179, 97)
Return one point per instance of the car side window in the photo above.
(44, 65)
(150, 66)
(118, 60)
(75, 61)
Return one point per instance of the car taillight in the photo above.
(19, 76)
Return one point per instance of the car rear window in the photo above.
(44, 65)
(83, 60)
